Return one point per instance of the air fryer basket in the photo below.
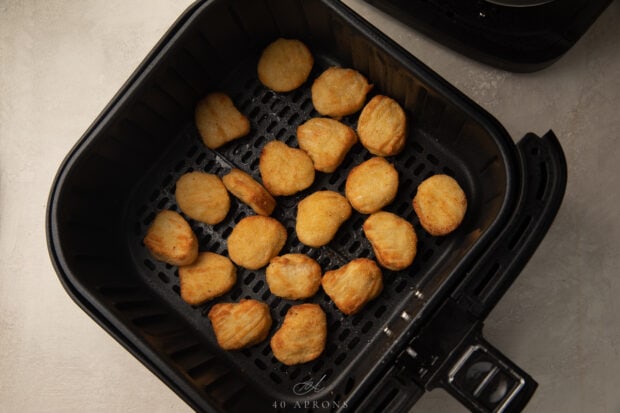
(123, 171)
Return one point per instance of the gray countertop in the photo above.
(62, 61)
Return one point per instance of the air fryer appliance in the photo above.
(516, 35)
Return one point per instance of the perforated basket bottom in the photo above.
(276, 116)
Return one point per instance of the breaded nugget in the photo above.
(339, 92)
(219, 121)
(255, 240)
(440, 204)
(285, 170)
(393, 240)
(171, 239)
(250, 192)
(353, 285)
(210, 276)
(285, 65)
(319, 216)
(302, 335)
(240, 325)
(371, 185)
(327, 141)
(293, 276)
(203, 197)
(382, 126)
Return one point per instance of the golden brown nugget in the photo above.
(285, 65)
(203, 197)
(302, 335)
(285, 170)
(440, 204)
(210, 276)
(371, 185)
(293, 276)
(319, 216)
(393, 240)
(240, 325)
(353, 285)
(250, 192)
(219, 121)
(327, 141)
(171, 239)
(339, 92)
(255, 240)
(382, 126)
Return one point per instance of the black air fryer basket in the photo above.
(422, 332)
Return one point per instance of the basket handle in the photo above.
(543, 183)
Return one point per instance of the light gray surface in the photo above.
(61, 62)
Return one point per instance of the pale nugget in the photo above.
(285, 65)
(171, 239)
(382, 126)
(293, 276)
(203, 197)
(440, 204)
(339, 92)
(319, 216)
(219, 121)
(353, 285)
(302, 335)
(285, 170)
(210, 276)
(371, 185)
(250, 192)
(393, 240)
(255, 240)
(240, 325)
(327, 141)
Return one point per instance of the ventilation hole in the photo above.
(410, 161)
(161, 204)
(349, 385)
(176, 289)
(380, 311)
(267, 97)
(253, 114)
(366, 327)
(333, 179)
(340, 358)
(254, 164)
(447, 171)
(353, 343)
(236, 293)
(227, 232)
(154, 196)
(519, 232)
(246, 156)
(293, 374)
(259, 363)
(258, 142)
(417, 147)
(149, 264)
(344, 334)
(417, 171)
(163, 277)
(336, 325)
(284, 309)
(432, 159)
(318, 365)
(306, 105)
(290, 140)
(275, 378)
(266, 350)
(400, 286)
(258, 286)
(354, 246)
(483, 283)
(293, 119)
(280, 133)
(200, 158)
(266, 295)
(179, 166)
(285, 110)
(249, 278)
(357, 319)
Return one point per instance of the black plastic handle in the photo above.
(543, 183)
(485, 381)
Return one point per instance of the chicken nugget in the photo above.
(240, 325)
(302, 335)
(285, 170)
(250, 192)
(285, 65)
(171, 239)
(327, 141)
(319, 216)
(339, 92)
(210, 276)
(203, 197)
(382, 126)
(219, 121)
(255, 240)
(293, 276)
(440, 204)
(371, 185)
(353, 285)
(393, 240)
